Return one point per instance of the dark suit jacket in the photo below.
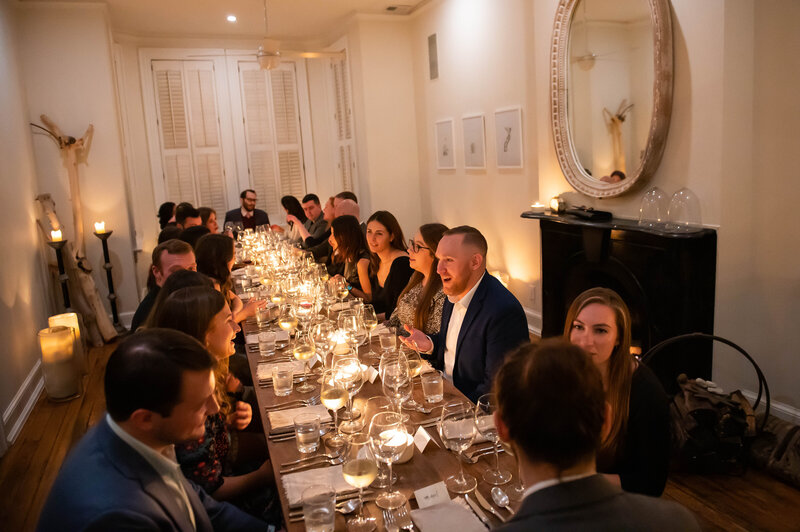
(592, 503)
(494, 325)
(235, 215)
(106, 485)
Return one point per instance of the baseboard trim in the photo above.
(23, 402)
(534, 321)
(776, 408)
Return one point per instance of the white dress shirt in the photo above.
(454, 328)
(167, 468)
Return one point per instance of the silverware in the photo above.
(312, 465)
(343, 507)
(390, 522)
(488, 507)
(307, 458)
(404, 518)
(310, 401)
(288, 433)
(477, 510)
(500, 498)
(476, 455)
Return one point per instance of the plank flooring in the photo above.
(753, 502)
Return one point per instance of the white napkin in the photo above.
(285, 418)
(463, 426)
(379, 329)
(336, 307)
(264, 369)
(280, 336)
(295, 483)
(453, 516)
(251, 339)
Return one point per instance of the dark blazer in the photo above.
(235, 215)
(494, 325)
(106, 485)
(592, 503)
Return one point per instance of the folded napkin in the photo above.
(295, 483)
(283, 419)
(336, 307)
(453, 516)
(264, 369)
(464, 426)
(280, 336)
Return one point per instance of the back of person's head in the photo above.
(387, 220)
(213, 253)
(205, 214)
(292, 206)
(348, 207)
(472, 237)
(146, 371)
(183, 211)
(350, 240)
(189, 310)
(310, 197)
(191, 235)
(176, 281)
(550, 398)
(346, 195)
(165, 212)
(169, 232)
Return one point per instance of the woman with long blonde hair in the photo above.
(635, 447)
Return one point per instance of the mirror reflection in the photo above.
(610, 86)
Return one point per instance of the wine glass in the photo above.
(339, 285)
(388, 441)
(395, 378)
(321, 333)
(348, 373)
(373, 406)
(304, 350)
(517, 489)
(484, 421)
(334, 396)
(287, 319)
(370, 318)
(457, 430)
(359, 470)
(414, 368)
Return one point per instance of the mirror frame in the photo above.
(661, 17)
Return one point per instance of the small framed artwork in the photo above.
(445, 158)
(508, 137)
(474, 142)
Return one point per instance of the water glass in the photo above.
(262, 315)
(266, 343)
(388, 340)
(433, 386)
(306, 432)
(282, 379)
(319, 511)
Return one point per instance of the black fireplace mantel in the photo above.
(667, 279)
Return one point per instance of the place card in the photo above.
(370, 372)
(421, 439)
(432, 495)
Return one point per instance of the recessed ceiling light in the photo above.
(231, 18)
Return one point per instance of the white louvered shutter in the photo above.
(343, 119)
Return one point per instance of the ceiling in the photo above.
(291, 20)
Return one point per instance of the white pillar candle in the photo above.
(55, 236)
(70, 319)
(61, 379)
(100, 227)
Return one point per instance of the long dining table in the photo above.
(433, 465)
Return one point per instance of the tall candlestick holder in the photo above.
(112, 296)
(58, 245)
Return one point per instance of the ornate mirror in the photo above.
(611, 92)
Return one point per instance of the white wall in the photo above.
(23, 296)
(66, 63)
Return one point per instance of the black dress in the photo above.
(643, 460)
(384, 298)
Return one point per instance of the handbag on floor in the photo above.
(712, 431)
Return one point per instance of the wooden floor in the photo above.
(752, 502)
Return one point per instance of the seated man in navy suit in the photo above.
(481, 320)
(551, 408)
(247, 214)
(122, 475)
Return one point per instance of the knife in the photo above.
(486, 506)
(477, 510)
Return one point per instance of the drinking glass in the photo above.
(306, 431)
(304, 350)
(359, 470)
(484, 420)
(414, 367)
(395, 379)
(516, 491)
(339, 285)
(266, 343)
(373, 406)
(388, 441)
(282, 379)
(319, 508)
(348, 373)
(387, 339)
(348, 320)
(321, 334)
(457, 430)
(334, 396)
(287, 319)
(433, 386)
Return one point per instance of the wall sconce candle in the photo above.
(55, 236)
(99, 227)
(61, 378)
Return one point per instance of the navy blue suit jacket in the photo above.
(105, 484)
(494, 325)
(259, 217)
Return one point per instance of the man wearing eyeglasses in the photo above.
(248, 215)
(481, 320)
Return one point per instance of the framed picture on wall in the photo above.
(508, 137)
(474, 142)
(445, 145)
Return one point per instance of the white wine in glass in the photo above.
(359, 470)
(304, 350)
(334, 396)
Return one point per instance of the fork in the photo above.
(310, 458)
(312, 464)
(390, 521)
(404, 518)
(311, 401)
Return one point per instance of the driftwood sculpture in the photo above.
(614, 124)
(82, 287)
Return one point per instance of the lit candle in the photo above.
(100, 227)
(55, 236)
(58, 366)
(538, 208)
(70, 319)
